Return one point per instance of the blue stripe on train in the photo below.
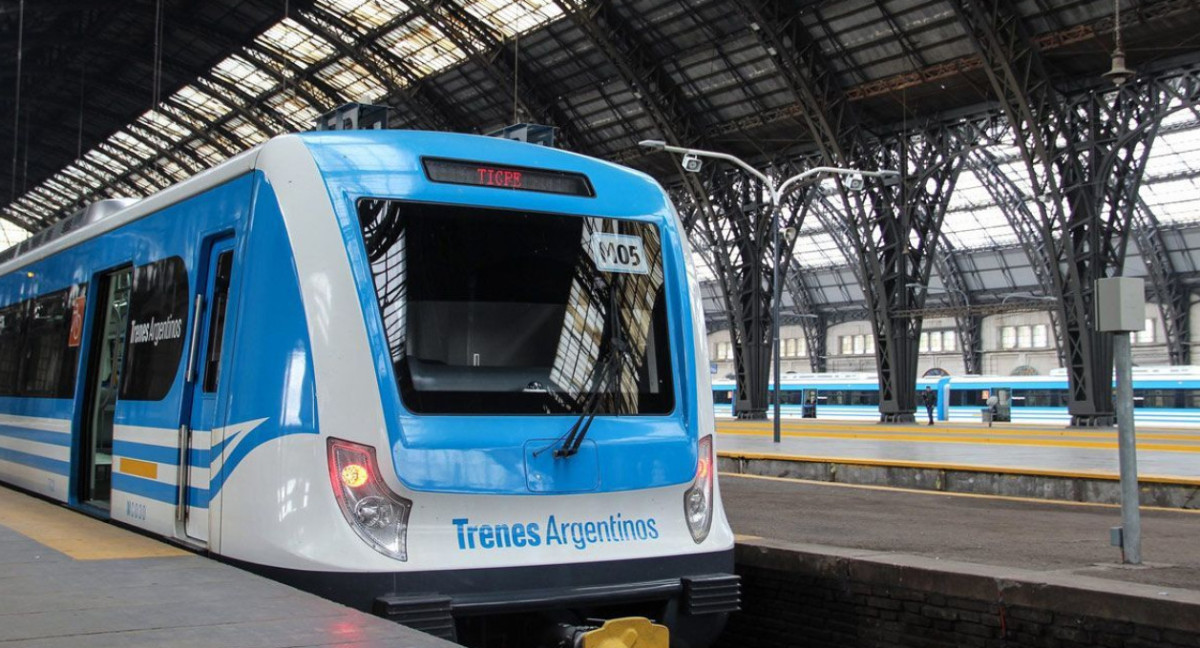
(146, 452)
(198, 497)
(35, 461)
(158, 491)
(199, 458)
(144, 487)
(39, 436)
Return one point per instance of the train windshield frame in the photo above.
(507, 312)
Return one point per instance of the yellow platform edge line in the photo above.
(1004, 470)
(957, 424)
(934, 437)
(74, 534)
(945, 429)
(918, 491)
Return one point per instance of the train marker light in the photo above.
(378, 515)
(354, 475)
(698, 500)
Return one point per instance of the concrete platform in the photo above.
(1170, 453)
(72, 581)
(1036, 536)
(833, 565)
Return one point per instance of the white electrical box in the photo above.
(1120, 304)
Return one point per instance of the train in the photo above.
(457, 381)
(1163, 395)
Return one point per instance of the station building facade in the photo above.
(1018, 343)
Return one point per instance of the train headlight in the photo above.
(377, 515)
(698, 500)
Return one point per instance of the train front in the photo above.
(518, 428)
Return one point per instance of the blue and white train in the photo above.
(454, 380)
(1168, 396)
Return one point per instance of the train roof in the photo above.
(335, 152)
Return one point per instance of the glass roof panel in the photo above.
(511, 17)
(202, 102)
(1173, 201)
(353, 80)
(123, 159)
(818, 250)
(173, 169)
(227, 97)
(299, 113)
(245, 75)
(80, 177)
(206, 151)
(64, 186)
(247, 134)
(31, 206)
(296, 43)
(368, 14)
(11, 233)
(46, 195)
(102, 160)
(143, 185)
(133, 145)
(422, 46)
(165, 127)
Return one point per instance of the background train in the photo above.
(449, 379)
(1162, 396)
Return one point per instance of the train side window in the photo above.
(48, 370)
(12, 333)
(216, 325)
(1191, 398)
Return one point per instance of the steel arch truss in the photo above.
(734, 230)
(1084, 155)
(895, 230)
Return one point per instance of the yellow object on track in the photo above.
(628, 632)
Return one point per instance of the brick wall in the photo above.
(801, 595)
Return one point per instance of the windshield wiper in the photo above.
(618, 355)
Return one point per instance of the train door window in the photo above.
(159, 301)
(216, 325)
(105, 360)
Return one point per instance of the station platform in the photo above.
(1050, 537)
(851, 565)
(73, 581)
(1169, 453)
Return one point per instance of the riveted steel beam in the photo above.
(1166, 287)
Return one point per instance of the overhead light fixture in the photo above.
(1119, 73)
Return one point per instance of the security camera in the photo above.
(692, 163)
(853, 182)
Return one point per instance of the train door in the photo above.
(1003, 405)
(107, 350)
(206, 415)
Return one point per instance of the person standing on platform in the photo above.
(929, 397)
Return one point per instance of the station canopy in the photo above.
(115, 100)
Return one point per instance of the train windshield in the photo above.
(508, 312)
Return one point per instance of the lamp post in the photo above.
(853, 182)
